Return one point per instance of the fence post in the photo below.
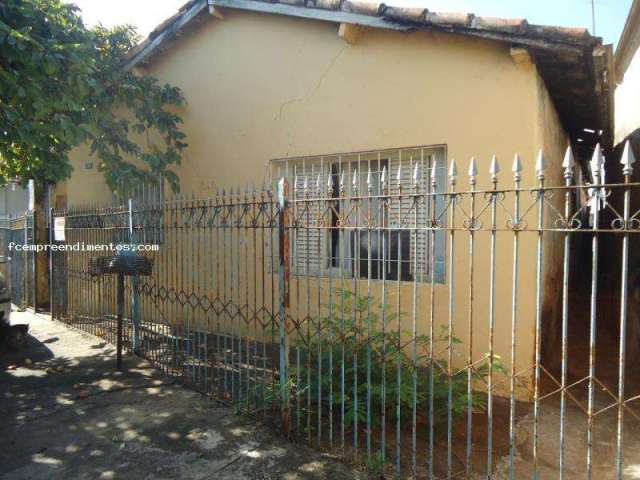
(135, 295)
(25, 263)
(51, 306)
(120, 314)
(283, 288)
(33, 260)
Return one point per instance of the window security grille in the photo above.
(344, 225)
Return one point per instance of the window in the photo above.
(344, 227)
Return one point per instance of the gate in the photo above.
(373, 308)
(21, 269)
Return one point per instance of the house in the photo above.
(324, 89)
(627, 132)
(373, 77)
(627, 75)
(14, 200)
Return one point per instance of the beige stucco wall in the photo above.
(553, 140)
(627, 101)
(261, 87)
(86, 185)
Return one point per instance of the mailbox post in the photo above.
(126, 263)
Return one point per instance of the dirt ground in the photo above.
(67, 414)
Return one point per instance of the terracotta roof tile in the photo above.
(326, 4)
(511, 25)
(418, 16)
(462, 20)
(563, 55)
(404, 14)
(562, 33)
(363, 8)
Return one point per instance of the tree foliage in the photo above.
(63, 84)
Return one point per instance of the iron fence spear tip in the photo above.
(517, 164)
(516, 168)
(541, 163)
(568, 161)
(453, 169)
(628, 159)
(596, 160)
(494, 168)
(473, 167)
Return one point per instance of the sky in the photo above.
(610, 15)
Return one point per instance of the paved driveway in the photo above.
(67, 415)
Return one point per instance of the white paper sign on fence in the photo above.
(58, 229)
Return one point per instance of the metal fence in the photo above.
(422, 329)
(21, 266)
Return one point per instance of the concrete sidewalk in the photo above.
(67, 414)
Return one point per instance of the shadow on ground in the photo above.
(67, 414)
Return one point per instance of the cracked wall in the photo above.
(262, 86)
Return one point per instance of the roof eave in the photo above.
(629, 41)
(165, 32)
(556, 46)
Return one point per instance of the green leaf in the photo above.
(62, 84)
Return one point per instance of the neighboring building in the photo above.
(288, 88)
(14, 200)
(627, 75)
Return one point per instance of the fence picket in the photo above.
(383, 311)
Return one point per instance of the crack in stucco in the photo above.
(315, 88)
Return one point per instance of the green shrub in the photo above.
(352, 333)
